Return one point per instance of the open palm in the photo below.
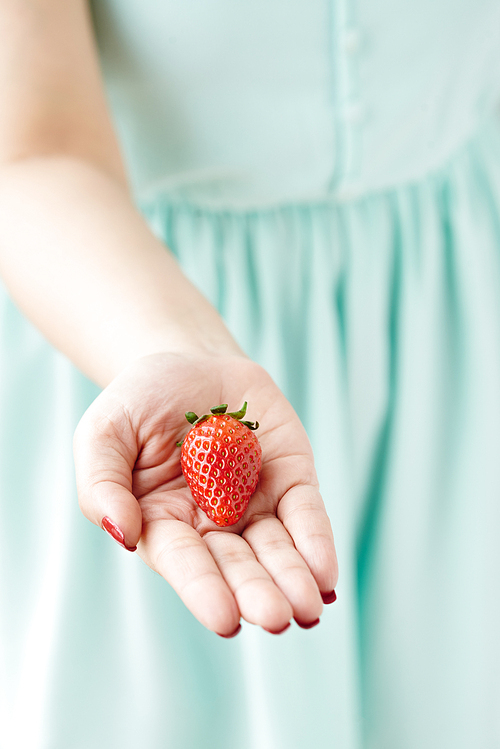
(268, 567)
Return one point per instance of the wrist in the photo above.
(193, 332)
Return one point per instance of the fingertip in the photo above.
(304, 516)
(115, 510)
(322, 561)
(116, 533)
(308, 624)
(223, 618)
(265, 605)
(279, 631)
(330, 597)
(231, 634)
(302, 592)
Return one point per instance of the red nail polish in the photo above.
(307, 625)
(279, 631)
(329, 597)
(115, 533)
(233, 634)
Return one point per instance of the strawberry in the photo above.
(220, 460)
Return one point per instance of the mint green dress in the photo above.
(328, 173)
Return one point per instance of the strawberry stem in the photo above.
(238, 415)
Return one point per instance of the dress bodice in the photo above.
(271, 100)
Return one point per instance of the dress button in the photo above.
(351, 41)
(354, 112)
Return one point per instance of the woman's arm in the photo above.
(76, 255)
(81, 262)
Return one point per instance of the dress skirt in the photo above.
(379, 318)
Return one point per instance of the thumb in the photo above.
(105, 451)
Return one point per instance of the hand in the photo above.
(271, 565)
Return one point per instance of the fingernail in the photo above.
(329, 597)
(233, 634)
(307, 625)
(115, 533)
(278, 631)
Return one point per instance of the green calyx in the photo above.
(194, 420)
(222, 409)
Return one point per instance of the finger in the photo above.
(259, 600)
(303, 514)
(274, 549)
(103, 465)
(178, 553)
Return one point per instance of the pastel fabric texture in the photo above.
(328, 174)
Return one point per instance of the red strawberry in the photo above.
(221, 460)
